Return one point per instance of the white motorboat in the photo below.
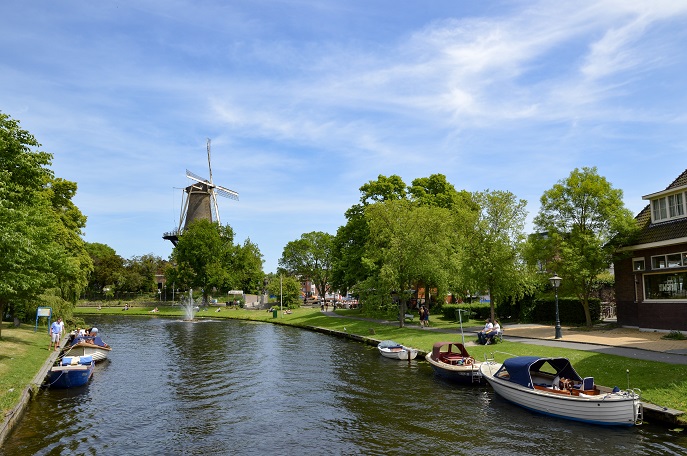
(551, 386)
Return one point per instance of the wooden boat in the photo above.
(452, 361)
(72, 371)
(551, 386)
(88, 346)
(394, 350)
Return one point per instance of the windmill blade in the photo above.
(209, 167)
(196, 177)
(214, 202)
(225, 192)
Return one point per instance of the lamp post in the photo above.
(555, 283)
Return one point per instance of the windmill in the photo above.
(199, 201)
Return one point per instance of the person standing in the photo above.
(422, 316)
(55, 330)
(425, 316)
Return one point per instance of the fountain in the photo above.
(189, 306)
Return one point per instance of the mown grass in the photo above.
(22, 354)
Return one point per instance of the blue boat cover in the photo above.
(67, 360)
(520, 369)
(389, 344)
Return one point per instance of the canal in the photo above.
(242, 388)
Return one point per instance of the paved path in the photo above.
(628, 342)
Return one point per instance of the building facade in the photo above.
(651, 274)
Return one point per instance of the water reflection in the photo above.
(227, 387)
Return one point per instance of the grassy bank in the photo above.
(22, 354)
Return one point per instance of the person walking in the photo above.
(55, 331)
(422, 316)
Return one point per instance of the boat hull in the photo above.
(70, 376)
(611, 409)
(82, 349)
(402, 354)
(463, 374)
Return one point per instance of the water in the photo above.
(240, 388)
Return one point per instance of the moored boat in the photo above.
(88, 346)
(452, 361)
(552, 386)
(394, 350)
(72, 371)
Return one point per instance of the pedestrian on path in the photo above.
(55, 331)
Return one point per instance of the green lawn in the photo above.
(22, 354)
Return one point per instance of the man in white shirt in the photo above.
(482, 335)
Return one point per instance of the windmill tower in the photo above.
(199, 201)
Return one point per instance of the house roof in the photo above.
(662, 231)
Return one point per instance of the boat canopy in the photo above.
(521, 368)
(448, 347)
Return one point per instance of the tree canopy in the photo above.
(206, 258)
(40, 227)
(310, 257)
(580, 217)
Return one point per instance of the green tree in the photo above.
(310, 257)
(251, 275)
(39, 226)
(205, 258)
(491, 257)
(349, 243)
(286, 286)
(408, 244)
(108, 267)
(584, 219)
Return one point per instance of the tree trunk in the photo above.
(587, 314)
(402, 313)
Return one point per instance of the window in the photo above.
(675, 205)
(659, 206)
(672, 260)
(638, 264)
(665, 286)
(658, 262)
(668, 207)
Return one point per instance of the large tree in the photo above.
(310, 257)
(583, 218)
(39, 226)
(205, 258)
(491, 257)
(108, 267)
(408, 244)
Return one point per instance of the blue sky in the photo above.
(306, 100)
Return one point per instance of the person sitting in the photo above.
(489, 336)
(482, 335)
(155, 310)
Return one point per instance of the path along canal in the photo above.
(242, 388)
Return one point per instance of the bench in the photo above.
(409, 317)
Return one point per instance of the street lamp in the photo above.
(555, 283)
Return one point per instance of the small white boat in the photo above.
(89, 346)
(551, 386)
(394, 350)
(451, 360)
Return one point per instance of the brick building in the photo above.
(651, 275)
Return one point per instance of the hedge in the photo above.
(570, 310)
